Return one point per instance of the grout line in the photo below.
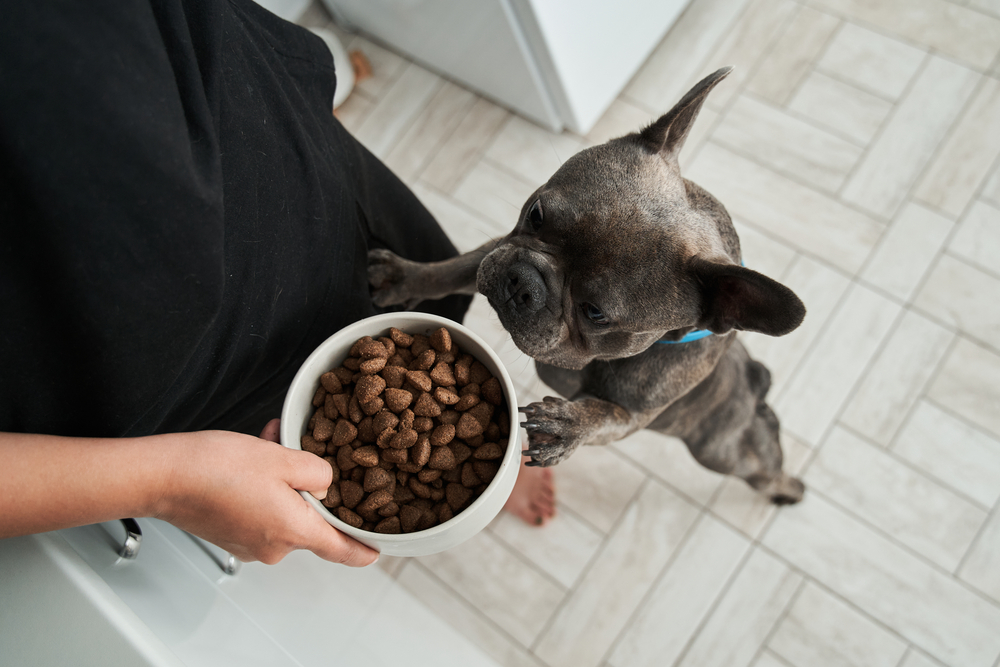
(472, 608)
(886, 122)
(634, 614)
(585, 571)
(765, 643)
(917, 470)
(712, 608)
(992, 515)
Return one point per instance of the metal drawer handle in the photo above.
(133, 539)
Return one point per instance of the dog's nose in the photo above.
(525, 288)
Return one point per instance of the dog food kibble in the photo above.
(413, 427)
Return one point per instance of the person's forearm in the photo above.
(49, 482)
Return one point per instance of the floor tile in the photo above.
(466, 229)
(498, 584)
(906, 505)
(969, 385)
(562, 549)
(910, 137)
(745, 615)
(980, 569)
(953, 452)
(888, 583)
(401, 103)
(495, 193)
(530, 151)
(598, 484)
(465, 619)
(907, 250)
(821, 289)
(977, 238)
(967, 154)
(846, 110)
(991, 188)
(963, 296)
(871, 60)
(787, 144)
(780, 72)
(987, 6)
(748, 511)
(822, 630)
(354, 110)
(961, 33)
(763, 253)
(429, 129)
(410, 624)
(621, 118)
(464, 148)
(386, 66)
(897, 377)
(809, 404)
(760, 26)
(840, 235)
(599, 607)
(669, 459)
(918, 659)
(683, 597)
(684, 56)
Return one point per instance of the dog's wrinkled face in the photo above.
(594, 268)
(617, 250)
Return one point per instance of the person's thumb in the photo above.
(272, 431)
(309, 473)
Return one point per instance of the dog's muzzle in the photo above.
(525, 289)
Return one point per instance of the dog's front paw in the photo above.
(390, 278)
(555, 429)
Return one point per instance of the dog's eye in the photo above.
(535, 215)
(595, 315)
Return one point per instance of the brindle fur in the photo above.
(659, 255)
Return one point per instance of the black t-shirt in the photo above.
(183, 219)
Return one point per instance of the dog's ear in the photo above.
(734, 297)
(667, 134)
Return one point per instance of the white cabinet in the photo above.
(559, 63)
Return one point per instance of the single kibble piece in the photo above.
(441, 458)
(374, 501)
(398, 400)
(400, 338)
(393, 376)
(311, 445)
(366, 456)
(368, 387)
(390, 526)
(323, 429)
(443, 375)
(440, 340)
(468, 426)
(343, 433)
(349, 517)
(446, 396)
(372, 366)
(442, 435)
(424, 361)
(376, 478)
(426, 406)
(351, 493)
(489, 452)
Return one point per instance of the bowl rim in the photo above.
(380, 322)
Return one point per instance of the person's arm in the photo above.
(234, 490)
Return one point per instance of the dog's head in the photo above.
(617, 250)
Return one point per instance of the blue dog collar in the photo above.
(690, 337)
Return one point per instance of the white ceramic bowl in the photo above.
(298, 408)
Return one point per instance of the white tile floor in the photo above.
(856, 146)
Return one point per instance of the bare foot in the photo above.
(533, 498)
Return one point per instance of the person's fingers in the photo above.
(309, 472)
(330, 544)
(272, 431)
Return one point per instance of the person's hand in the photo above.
(241, 494)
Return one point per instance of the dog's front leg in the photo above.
(557, 426)
(396, 280)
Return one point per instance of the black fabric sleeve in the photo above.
(183, 220)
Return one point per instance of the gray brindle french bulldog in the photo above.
(624, 282)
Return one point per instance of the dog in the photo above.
(624, 282)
